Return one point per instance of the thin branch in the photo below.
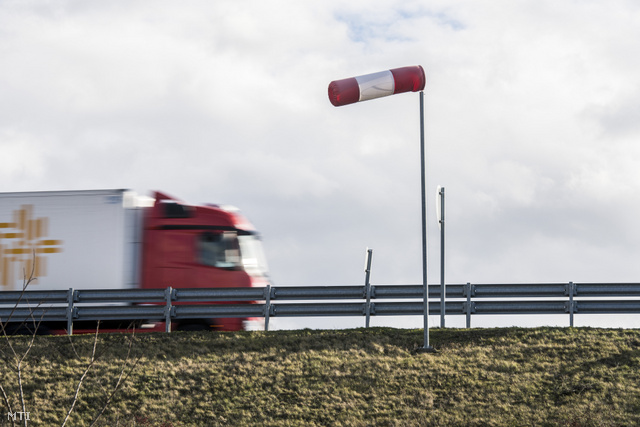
(19, 369)
(73, 347)
(84, 374)
(6, 400)
(33, 338)
(25, 283)
(18, 360)
(116, 387)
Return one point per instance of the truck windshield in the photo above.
(253, 258)
(231, 251)
(219, 250)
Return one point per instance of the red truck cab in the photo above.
(198, 246)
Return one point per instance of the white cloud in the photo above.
(22, 156)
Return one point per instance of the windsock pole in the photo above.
(423, 189)
(385, 83)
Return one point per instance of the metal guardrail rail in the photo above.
(167, 305)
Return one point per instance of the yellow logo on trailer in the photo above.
(23, 242)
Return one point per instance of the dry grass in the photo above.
(545, 376)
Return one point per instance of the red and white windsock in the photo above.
(376, 85)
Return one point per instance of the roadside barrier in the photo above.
(174, 304)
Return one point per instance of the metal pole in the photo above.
(267, 306)
(367, 285)
(571, 292)
(426, 347)
(468, 305)
(70, 301)
(442, 284)
(168, 296)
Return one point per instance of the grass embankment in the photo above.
(545, 376)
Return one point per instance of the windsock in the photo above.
(376, 85)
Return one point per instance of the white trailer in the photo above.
(70, 239)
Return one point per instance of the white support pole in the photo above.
(425, 286)
(443, 290)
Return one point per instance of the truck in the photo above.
(117, 239)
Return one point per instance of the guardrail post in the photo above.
(267, 306)
(468, 310)
(70, 300)
(367, 285)
(572, 289)
(168, 296)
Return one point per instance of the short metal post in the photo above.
(267, 306)
(70, 301)
(468, 305)
(572, 288)
(367, 286)
(168, 296)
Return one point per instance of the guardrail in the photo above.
(171, 304)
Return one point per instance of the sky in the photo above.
(531, 125)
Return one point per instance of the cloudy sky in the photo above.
(531, 109)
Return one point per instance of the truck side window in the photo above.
(177, 210)
(219, 250)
